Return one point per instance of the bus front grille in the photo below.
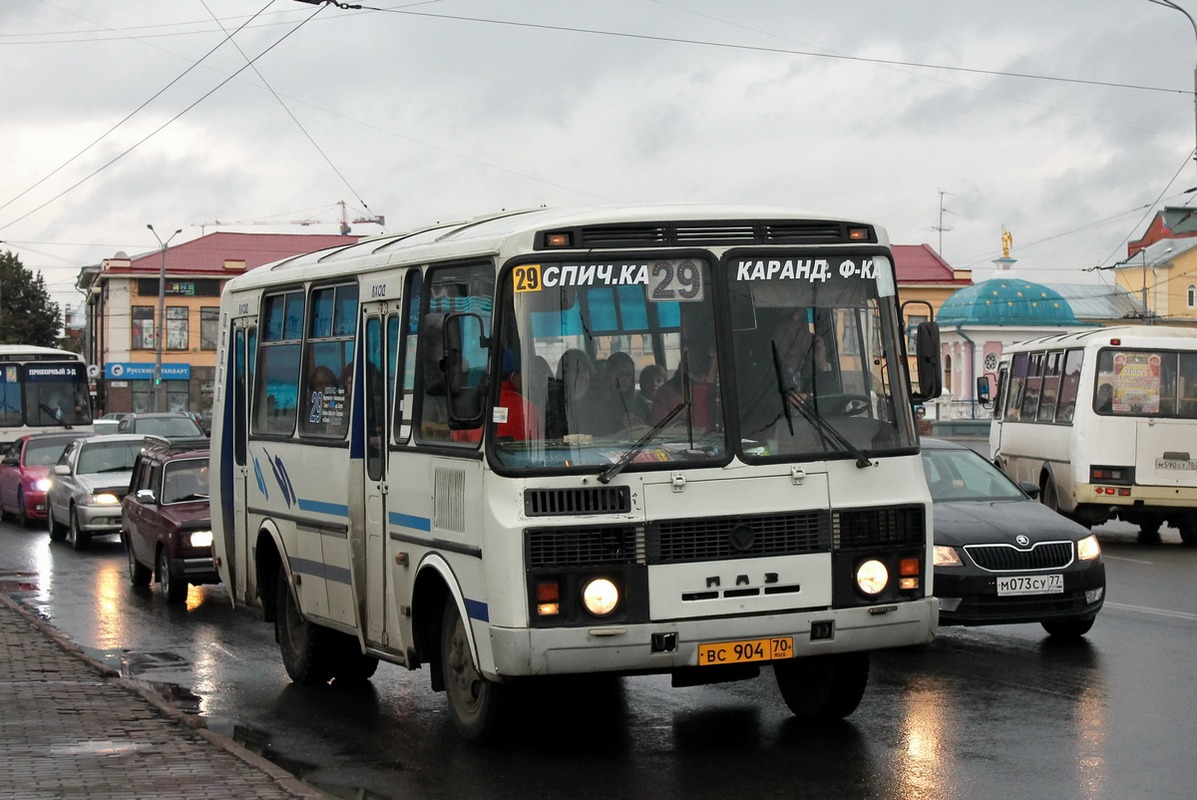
(886, 526)
(677, 541)
(577, 501)
(720, 538)
(1008, 558)
(607, 545)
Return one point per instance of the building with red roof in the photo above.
(122, 310)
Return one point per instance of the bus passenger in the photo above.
(523, 417)
(567, 394)
(652, 377)
(611, 401)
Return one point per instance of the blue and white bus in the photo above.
(42, 389)
(431, 451)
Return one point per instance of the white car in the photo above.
(87, 484)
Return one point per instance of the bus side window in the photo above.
(276, 396)
(408, 343)
(468, 289)
(328, 350)
(1070, 385)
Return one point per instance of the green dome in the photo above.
(1006, 301)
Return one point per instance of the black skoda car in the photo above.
(1001, 556)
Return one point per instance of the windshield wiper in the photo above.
(609, 472)
(612, 470)
(56, 415)
(781, 388)
(829, 431)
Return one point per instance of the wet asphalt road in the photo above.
(981, 713)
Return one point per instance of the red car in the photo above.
(166, 522)
(25, 474)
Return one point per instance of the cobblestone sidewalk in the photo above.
(72, 728)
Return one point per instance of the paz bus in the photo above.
(42, 389)
(431, 452)
(1105, 422)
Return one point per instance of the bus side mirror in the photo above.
(983, 391)
(432, 342)
(463, 335)
(930, 376)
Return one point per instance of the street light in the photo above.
(160, 329)
(1174, 6)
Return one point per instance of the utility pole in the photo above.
(1174, 6)
(160, 323)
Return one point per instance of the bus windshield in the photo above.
(44, 394)
(618, 361)
(816, 357)
(575, 342)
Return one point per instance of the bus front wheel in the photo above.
(823, 688)
(476, 705)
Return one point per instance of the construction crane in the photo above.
(344, 221)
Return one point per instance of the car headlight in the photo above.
(947, 557)
(201, 538)
(600, 596)
(1088, 548)
(872, 577)
(42, 484)
(103, 499)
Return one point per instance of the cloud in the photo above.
(427, 117)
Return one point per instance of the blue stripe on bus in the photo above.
(409, 521)
(318, 569)
(336, 509)
(476, 609)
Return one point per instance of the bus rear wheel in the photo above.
(823, 688)
(1047, 493)
(304, 645)
(476, 706)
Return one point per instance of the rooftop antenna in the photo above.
(940, 227)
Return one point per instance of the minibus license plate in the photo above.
(1030, 584)
(714, 653)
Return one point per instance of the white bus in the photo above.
(1105, 422)
(499, 503)
(42, 389)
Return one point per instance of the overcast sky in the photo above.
(1069, 122)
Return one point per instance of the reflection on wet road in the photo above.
(981, 713)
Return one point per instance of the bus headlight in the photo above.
(600, 596)
(872, 577)
(1088, 548)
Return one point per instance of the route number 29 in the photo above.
(527, 278)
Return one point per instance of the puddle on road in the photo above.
(257, 741)
(18, 582)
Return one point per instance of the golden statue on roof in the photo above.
(1007, 242)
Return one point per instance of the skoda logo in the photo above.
(1022, 540)
(741, 538)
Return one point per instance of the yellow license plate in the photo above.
(715, 653)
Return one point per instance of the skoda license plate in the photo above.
(1030, 584)
(713, 653)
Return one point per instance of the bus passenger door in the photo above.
(239, 552)
(379, 354)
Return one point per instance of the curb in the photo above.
(281, 778)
